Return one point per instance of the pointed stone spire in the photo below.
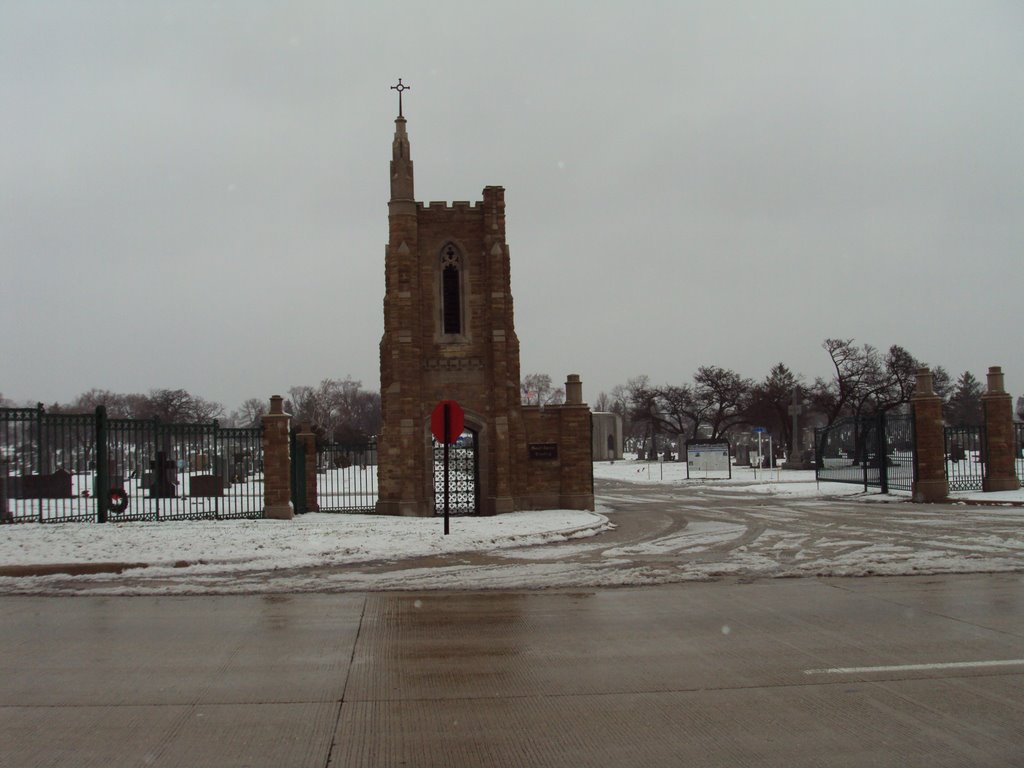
(401, 164)
(401, 154)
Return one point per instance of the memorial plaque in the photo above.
(543, 450)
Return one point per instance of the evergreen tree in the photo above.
(964, 405)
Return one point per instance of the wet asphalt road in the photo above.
(912, 671)
(793, 672)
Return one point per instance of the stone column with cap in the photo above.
(277, 466)
(997, 407)
(930, 483)
(576, 489)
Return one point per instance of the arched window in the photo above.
(451, 292)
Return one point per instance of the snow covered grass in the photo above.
(310, 540)
(771, 482)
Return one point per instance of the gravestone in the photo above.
(222, 470)
(742, 455)
(206, 486)
(56, 485)
(164, 477)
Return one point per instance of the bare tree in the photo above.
(644, 412)
(250, 412)
(726, 396)
(681, 412)
(537, 389)
(942, 383)
(864, 381)
(339, 409)
(850, 371)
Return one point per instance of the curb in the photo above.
(66, 569)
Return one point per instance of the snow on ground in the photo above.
(763, 524)
(771, 482)
(314, 539)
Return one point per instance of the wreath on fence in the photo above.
(118, 500)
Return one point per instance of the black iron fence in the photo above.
(965, 457)
(81, 467)
(47, 464)
(873, 451)
(346, 476)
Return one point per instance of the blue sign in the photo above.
(759, 429)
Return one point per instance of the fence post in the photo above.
(882, 453)
(929, 441)
(306, 442)
(997, 410)
(277, 502)
(102, 485)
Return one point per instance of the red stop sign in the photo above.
(456, 420)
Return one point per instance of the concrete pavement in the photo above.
(719, 674)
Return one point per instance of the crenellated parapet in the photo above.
(442, 205)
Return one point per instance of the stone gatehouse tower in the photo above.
(449, 335)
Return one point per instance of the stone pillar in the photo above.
(306, 442)
(277, 465)
(997, 407)
(573, 390)
(576, 464)
(930, 483)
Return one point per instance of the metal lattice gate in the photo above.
(965, 457)
(463, 476)
(1018, 450)
(346, 476)
(873, 451)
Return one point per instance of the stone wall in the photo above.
(555, 468)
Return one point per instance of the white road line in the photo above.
(917, 667)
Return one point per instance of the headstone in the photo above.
(56, 485)
(205, 485)
(164, 484)
(221, 469)
(742, 455)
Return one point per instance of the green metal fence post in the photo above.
(298, 472)
(41, 447)
(882, 453)
(102, 487)
(860, 447)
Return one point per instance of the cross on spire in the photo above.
(400, 87)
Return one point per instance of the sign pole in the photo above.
(447, 437)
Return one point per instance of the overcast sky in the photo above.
(194, 194)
